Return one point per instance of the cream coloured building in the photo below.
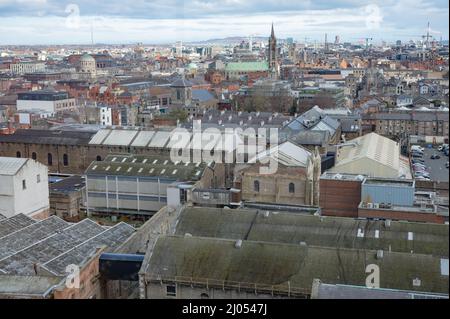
(372, 155)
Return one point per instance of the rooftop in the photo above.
(51, 244)
(292, 267)
(27, 286)
(247, 66)
(291, 228)
(328, 291)
(147, 166)
(48, 137)
(11, 165)
(14, 223)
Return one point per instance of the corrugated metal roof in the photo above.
(99, 137)
(11, 165)
(143, 138)
(160, 139)
(120, 137)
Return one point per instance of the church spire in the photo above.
(272, 35)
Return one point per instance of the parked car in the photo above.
(435, 156)
(423, 178)
(417, 147)
(418, 161)
(446, 165)
(417, 155)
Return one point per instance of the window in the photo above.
(49, 159)
(18, 155)
(99, 158)
(256, 186)
(65, 160)
(38, 178)
(24, 184)
(292, 188)
(34, 155)
(171, 290)
(204, 296)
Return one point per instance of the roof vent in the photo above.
(267, 214)
(387, 223)
(303, 243)
(187, 235)
(417, 282)
(238, 244)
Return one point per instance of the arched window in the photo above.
(256, 186)
(292, 188)
(34, 155)
(18, 155)
(49, 159)
(65, 160)
(204, 296)
(99, 158)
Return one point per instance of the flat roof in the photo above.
(27, 286)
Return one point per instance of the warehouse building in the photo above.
(35, 255)
(359, 196)
(372, 155)
(219, 253)
(135, 184)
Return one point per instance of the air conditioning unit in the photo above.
(387, 223)
(376, 206)
(369, 205)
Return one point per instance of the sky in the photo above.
(26, 22)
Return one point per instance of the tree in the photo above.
(180, 115)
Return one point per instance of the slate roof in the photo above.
(48, 137)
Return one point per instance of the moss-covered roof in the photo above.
(291, 228)
(178, 258)
(146, 166)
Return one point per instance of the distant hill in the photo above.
(228, 40)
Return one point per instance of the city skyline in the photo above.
(33, 22)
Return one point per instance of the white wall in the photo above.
(6, 195)
(106, 116)
(33, 199)
(48, 106)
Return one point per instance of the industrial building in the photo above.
(144, 184)
(35, 255)
(359, 196)
(221, 253)
(372, 155)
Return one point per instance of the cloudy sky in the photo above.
(167, 21)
